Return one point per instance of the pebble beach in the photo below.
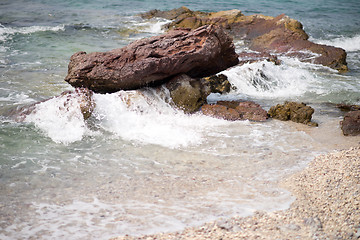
(327, 206)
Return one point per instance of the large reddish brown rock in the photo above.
(235, 110)
(280, 35)
(286, 36)
(351, 123)
(198, 53)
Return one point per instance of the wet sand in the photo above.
(327, 206)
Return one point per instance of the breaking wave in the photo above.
(266, 80)
(350, 44)
(60, 119)
(141, 116)
(6, 32)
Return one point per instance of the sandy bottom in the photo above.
(327, 206)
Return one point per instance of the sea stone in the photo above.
(83, 96)
(187, 93)
(296, 112)
(218, 83)
(221, 112)
(235, 110)
(351, 123)
(280, 34)
(252, 111)
(198, 53)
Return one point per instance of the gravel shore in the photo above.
(327, 206)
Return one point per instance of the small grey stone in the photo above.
(224, 224)
(315, 223)
(289, 227)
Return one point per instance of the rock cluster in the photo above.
(185, 59)
(280, 35)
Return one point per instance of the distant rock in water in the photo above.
(235, 110)
(82, 95)
(296, 112)
(347, 107)
(198, 53)
(251, 57)
(277, 35)
(351, 123)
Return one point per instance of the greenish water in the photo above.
(151, 168)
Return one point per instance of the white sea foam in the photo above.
(139, 116)
(6, 32)
(143, 116)
(60, 118)
(350, 44)
(17, 98)
(154, 26)
(100, 220)
(266, 80)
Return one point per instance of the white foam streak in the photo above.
(350, 44)
(60, 118)
(154, 26)
(6, 32)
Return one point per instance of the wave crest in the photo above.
(7, 32)
(350, 44)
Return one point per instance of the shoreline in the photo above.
(327, 206)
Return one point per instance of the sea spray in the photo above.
(60, 118)
(144, 116)
(8, 32)
(350, 44)
(266, 80)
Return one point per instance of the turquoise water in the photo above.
(147, 167)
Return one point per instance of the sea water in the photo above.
(138, 165)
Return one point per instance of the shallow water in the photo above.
(138, 165)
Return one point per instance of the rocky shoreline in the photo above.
(327, 206)
(186, 60)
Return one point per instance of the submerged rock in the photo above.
(296, 112)
(82, 95)
(280, 35)
(351, 123)
(198, 53)
(221, 112)
(187, 93)
(235, 110)
(251, 57)
(347, 107)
